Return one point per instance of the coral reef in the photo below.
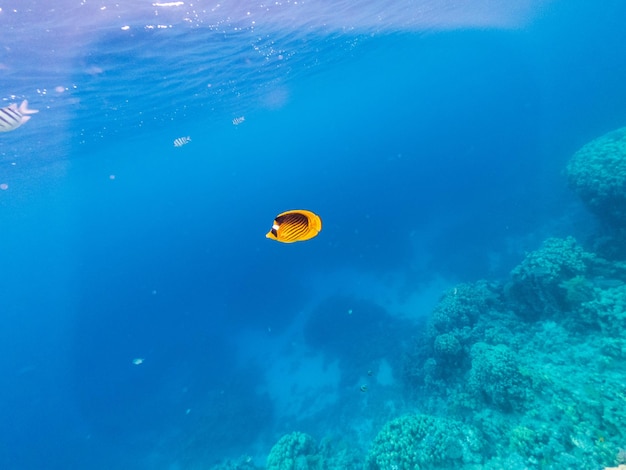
(424, 442)
(461, 307)
(542, 284)
(527, 374)
(296, 450)
(299, 451)
(607, 310)
(538, 371)
(597, 173)
(496, 376)
(293, 451)
(456, 324)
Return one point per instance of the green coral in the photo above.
(597, 173)
(424, 442)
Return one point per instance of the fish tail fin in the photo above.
(24, 109)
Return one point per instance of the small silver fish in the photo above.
(12, 117)
(238, 120)
(182, 141)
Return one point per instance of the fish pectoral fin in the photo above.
(24, 108)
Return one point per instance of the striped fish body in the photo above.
(12, 117)
(182, 141)
(295, 226)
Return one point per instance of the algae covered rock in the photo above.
(424, 442)
(597, 173)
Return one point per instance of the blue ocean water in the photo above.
(146, 320)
